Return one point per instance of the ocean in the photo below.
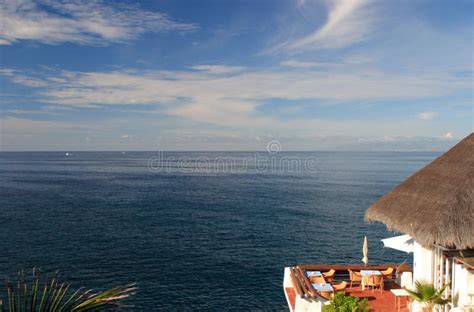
(195, 230)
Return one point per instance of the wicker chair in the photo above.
(341, 287)
(375, 281)
(329, 275)
(355, 277)
(387, 275)
(328, 295)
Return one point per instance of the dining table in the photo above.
(323, 287)
(313, 273)
(399, 293)
(366, 274)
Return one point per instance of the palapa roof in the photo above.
(436, 204)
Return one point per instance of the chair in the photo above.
(355, 277)
(341, 287)
(329, 275)
(387, 274)
(317, 280)
(375, 281)
(328, 295)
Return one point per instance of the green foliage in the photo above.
(428, 294)
(343, 303)
(56, 296)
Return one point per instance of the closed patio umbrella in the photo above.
(365, 251)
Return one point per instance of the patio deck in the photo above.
(379, 301)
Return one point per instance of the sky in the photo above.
(234, 75)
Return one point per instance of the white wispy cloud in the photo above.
(427, 115)
(22, 133)
(219, 69)
(448, 135)
(351, 60)
(229, 95)
(29, 112)
(82, 22)
(348, 22)
(302, 64)
(22, 78)
(28, 126)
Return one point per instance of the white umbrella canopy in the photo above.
(365, 251)
(404, 243)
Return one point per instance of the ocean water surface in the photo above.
(193, 235)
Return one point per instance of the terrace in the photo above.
(298, 287)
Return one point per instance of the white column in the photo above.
(440, 269)
(435, 268)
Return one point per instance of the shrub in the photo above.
(343, 303)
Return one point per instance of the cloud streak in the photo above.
(303, 64)
(348, 22)
(427, 115)
(81, 22)
(26, 134)
(229, 95)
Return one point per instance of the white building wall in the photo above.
(422, 264)
(463, 285)
(287, 279)
(305, 305)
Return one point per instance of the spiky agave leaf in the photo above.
(108, 298)
(43, 296)
(76, 295)
(11, 296)
(34, 289)
(18, 283)
(56, 296)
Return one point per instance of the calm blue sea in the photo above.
(192, 232)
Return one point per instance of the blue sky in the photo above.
(233, 75)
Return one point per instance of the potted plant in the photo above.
(428, 295)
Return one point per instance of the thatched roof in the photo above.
(436, 204)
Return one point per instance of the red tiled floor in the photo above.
(379, 301)
(290, 292)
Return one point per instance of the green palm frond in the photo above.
(427, 293)
(56, 296)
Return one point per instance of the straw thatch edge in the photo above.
(436, 204)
